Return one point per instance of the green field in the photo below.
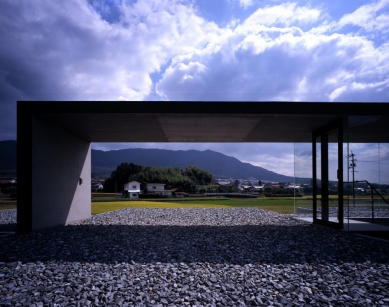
(5, 207)
(109, 202)
(7, 203)
(280, 205)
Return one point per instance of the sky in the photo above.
(209, 50)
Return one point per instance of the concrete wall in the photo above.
(129, 185)
(158, 187)
(61, 180)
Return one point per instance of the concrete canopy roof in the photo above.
(143, 121)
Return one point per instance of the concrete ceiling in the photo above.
(211, 121)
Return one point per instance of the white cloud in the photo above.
(337, 92)
(245, 3)
(370, 17)
(372, 162)
(286, 14)
(70, 52)
(269, 57)
(289, 51)
(282, 165)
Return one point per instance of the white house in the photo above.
(292, 187)
(96, 186)
(258, 188)
(158, 189)
(131, 189)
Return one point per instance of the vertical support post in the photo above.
(372, 204)
(50, 163)
(24, 167)
(340, 174)
(324, 133)
(324, 178)
(314, 178)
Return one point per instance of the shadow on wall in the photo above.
(227, 245)
(61, 178)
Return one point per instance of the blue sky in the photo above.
(194, 50)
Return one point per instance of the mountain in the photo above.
(107, 161)
(216, 163)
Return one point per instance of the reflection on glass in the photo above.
(303, 180)
(368, 186)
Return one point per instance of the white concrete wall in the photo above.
(129, 185)
(158, 187)
(59, 160)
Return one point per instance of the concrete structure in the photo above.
(132, 189)
(57, 164)
(54, 157)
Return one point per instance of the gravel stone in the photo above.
(191, 257)
(7, 220)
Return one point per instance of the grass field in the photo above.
(283, 205)
(7, 203)
(5, 207)
(280, 205)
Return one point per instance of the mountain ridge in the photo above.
(220, 165)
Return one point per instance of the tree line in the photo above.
(172, 177)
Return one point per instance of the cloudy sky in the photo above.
(305, 50)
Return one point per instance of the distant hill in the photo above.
(216, 163)
(8, 156)
(107, 161)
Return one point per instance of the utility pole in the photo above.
(353, 166)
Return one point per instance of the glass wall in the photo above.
(365, 173)
(367, 186)
(367, 183)
(303, 180)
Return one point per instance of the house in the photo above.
(223, 182)
(258, 188)
(96, 186)
(8, 186)
(247, 188)
(131, 189)
(291, 188)
(158, 189)
(178, 192)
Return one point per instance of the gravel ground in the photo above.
(8, 220)
(192, 257)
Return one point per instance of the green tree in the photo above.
(172, 177)
(199, 176)
(120, 176)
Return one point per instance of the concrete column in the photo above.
(59, 192)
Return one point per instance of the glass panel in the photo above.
(368, 173)
(368, 170)
(333, 177)
(318, 179)
(382, 206)
(327, 164)
(303, 180)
